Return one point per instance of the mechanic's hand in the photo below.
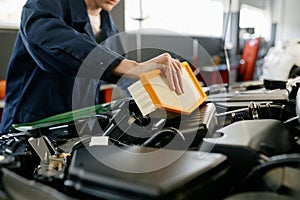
(170, 68)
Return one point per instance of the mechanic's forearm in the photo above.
(125, 67)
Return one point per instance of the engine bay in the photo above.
(238, 144)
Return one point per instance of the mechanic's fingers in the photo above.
(171, 70)
(176, 79)
(168, 74)
(178, 75)
(173, 76)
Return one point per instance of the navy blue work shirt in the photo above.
(54, 39)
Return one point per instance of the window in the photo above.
(251, 17)
(190, 17)
(10, 15)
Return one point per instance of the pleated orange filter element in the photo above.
(152, 92)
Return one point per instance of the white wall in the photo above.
(286, 14)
